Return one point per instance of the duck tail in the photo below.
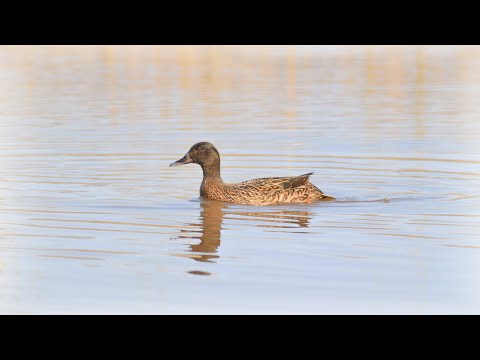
(327, 198)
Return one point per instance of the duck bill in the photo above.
(184, 160)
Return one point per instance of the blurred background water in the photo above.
(93, 220)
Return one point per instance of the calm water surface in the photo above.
(93, 220)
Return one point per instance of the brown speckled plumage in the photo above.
(262, 191)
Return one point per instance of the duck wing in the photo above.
(265, 191)
(275, 183)
(293, 182)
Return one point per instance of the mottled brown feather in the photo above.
(265, 191)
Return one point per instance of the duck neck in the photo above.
(211, 172)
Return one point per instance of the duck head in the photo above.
(203, 154)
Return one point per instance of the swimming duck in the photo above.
(263, 191)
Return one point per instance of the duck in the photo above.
(259, 192)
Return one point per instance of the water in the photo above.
(93, 219)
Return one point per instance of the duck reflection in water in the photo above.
(214, 212)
